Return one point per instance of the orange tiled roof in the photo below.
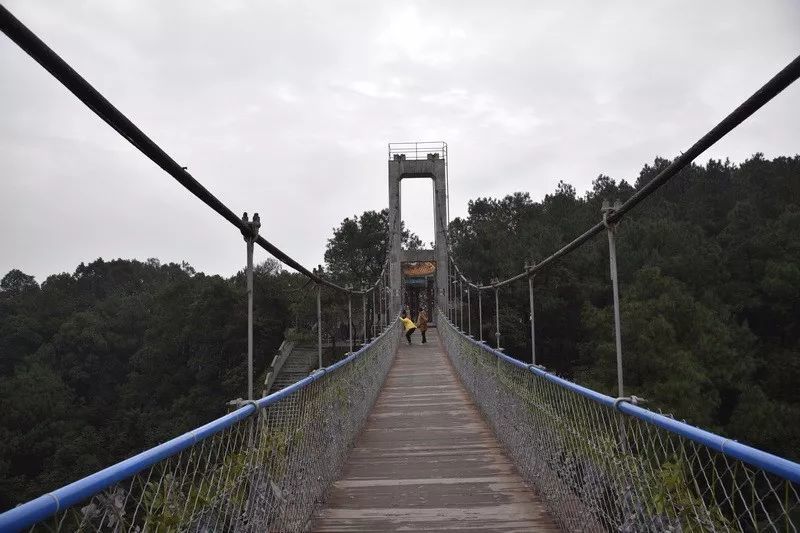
(420, 269)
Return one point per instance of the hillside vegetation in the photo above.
(120, 355)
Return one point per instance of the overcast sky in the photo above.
(286, 108)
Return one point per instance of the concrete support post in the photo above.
(393, 270)
(440, 249)
(480, 316)
(612, 254)
(319, 326)
(433, 167)
(533, 329)
(250, 238)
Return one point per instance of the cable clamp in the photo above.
(239, 403)
(531, 366)
(250, 230)
(56, 500)
(633, 400)
(607, 210)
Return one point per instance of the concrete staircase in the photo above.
(296, 360)
(299, 363)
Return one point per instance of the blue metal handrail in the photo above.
(752, 456)
(47, 505)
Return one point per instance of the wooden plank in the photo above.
(426, 460)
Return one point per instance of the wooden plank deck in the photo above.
(426, 460)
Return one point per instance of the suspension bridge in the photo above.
(453, 434)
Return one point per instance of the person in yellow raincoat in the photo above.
(422, 323)
(409, 326)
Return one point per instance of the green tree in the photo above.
(356, 252)
(16, 281)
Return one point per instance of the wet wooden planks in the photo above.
(426, 460)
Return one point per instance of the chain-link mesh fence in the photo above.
(602, 470)
(263, 472)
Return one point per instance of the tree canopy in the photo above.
(123, 354)
(356, 252)
(117, 357)
(709, 282)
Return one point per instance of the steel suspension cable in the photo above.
(756, 101)
(31, 44)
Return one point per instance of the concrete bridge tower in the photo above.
(418, 160)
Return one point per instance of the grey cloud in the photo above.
(286, 107)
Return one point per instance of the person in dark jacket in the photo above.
(422, 324)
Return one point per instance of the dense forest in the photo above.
(709, 272)
(120, 355)
(116, 357)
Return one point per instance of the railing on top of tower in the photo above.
(418, 151)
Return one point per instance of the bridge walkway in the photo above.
(426, 460)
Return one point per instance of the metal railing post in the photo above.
(469, 312)
(460, 305)
(374, 312)
(382, 302)
(447, 294)
(250, 238)
(319, 326)
(452, 300)
(612, 255)
(350, 315)
(387, 293)
(364, 313)
(450, 304)
(497, 314)
(533, 329)
(456, 304)
(480, 316)
(386, 297)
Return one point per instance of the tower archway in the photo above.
(422, 160)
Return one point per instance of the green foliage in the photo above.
(709, 282)
(356, 253)
(16, 282)
(119, 356)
